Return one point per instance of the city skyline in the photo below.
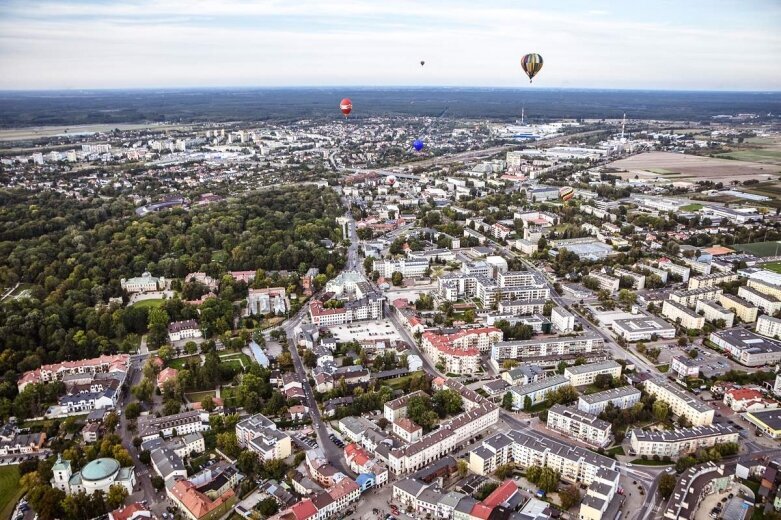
(172, 44)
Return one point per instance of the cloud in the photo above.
(82, 44)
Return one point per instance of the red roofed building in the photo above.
(459, 353)
(481, 511)
(167, 374)
(501, 494)
(344, 492)
(304, 510)
(198, 506)
(135, 511)
(747, 400)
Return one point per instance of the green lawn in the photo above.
(761, 156)
(692, 207)
(397, 383)
(197, 397)
(181, 362)
(772, 266)
(663, 171)
(616, 450)
(10, 491)
(149, 303)
(663, 368)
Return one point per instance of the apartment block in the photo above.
(536, 392)
(638, 280)
(678, 313)
(768, 326)
(681, 402)
(765, 287)
(408, 267)
(765, 302)
(261, 436)
(680, 441)
(606, 282)
(689, 298)
(562, 319)
(573, 463)
(744, 310)
(711, 280)
(545, 347)
(622, 397)
(581, 375)
(579, 425)
(748, 348)
(712, 311)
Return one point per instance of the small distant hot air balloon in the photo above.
(566, 193)
(531, 64)
(418, 145)
(422, 63)
(346, 106)
(390, 180)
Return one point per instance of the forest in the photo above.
(68, 256)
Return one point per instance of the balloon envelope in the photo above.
(422, 63)
(418, 145)
(566, 193)
(346, 106)
(531, 63)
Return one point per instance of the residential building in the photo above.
(684, 367)
(606, 282)
(536, 392)
(579, 425)
(269, 300)
(602, 500)
(118, 364)
(689, 298)
(768, 326)
(638, 280)
(747, 400)
(681, 402)
(523, 374)
(397, 408)
(22, 444)
(195, 504)
(459, 353)
(744, 310)
(407, 430)
(643, 328)
(765, 286)
(573, 463)
(180, 330)
(682, 315)
(622, 397)
(539, 349)
(711, 280)
(261, 436)
(562, 319)
(765, 302)
(520, 307)
(369, 307)
(183, 423)
(713, 312)
(746, 347)
(581, 375)
(680, 441)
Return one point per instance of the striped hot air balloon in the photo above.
(531, 63)
(346, 106)
(566, 193)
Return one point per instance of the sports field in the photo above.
(760, 249)
(772, 266)
(676, 166)
(10, 491)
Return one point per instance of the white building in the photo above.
(712, 311)
(180, 330)
(768, 326)
(581, 375)
(643, 328)
(536, 392)
(684, 367)
(260, 435)
(579, 425)
(680, 441)
(144, 283)
(408, 267)
(98, 475)
(682, 315)
(622, 397)
(681, 402)
(562, 319)
(183, 423)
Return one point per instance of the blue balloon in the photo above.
(418, 145)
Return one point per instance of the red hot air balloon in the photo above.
(346, 106)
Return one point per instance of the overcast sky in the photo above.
(682, 44)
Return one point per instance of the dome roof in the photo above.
(100, 469)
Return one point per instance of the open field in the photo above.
(761, 156)
(772, 266)
(663, 166)
(692, 207)
(180, 363)
(760, 249)
(149, 303)
(197, 397)
(10, 491)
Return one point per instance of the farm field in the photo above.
(761, 156)
(760, 249)
(675, 166)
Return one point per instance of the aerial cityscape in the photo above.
(465, 277)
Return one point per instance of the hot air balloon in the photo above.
(346, 106)
(566, 193)
(418, 145)
(531, 63)
(422, 63)
(390, 180)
